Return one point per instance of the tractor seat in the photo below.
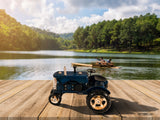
(98, 78)
(93, 78)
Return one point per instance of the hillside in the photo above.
(40, 31)
(67, 36)
(15, 36)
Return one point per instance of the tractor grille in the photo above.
(73, 87)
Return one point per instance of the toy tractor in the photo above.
(94, 86)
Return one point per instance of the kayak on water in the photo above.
(95, 64)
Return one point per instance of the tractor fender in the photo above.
(97, 88)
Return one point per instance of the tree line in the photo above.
(139, 33)
(15, 36)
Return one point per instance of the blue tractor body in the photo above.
(95, 86)
(78, 82)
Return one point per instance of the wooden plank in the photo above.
(28, 103)
(131, 100)
(144, 90)
(155, 83)
(13, 103)
(50, 112)
(6, 83)
(18, 98)
(62, 112)
(10, 85)
(112, 114)
(15, 90)
(65, 109)
(3, 82)
(131, 103)
(79, 109)
(149, 84)
(33, 106)
(73, 107)
(120, 101)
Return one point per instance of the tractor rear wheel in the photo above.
(99, 101)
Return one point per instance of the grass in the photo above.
(114, 51)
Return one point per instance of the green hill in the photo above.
(15, 36)
(67, 36)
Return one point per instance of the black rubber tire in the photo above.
(103, 104)
(58, 96)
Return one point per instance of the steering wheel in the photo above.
(91, 70)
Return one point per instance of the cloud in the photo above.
(124, 12)
(133, 10)
(90, 20)
(64, 24)
(58, 25)
(99, 3)
(53, 15)
(78, 4)
(32, 8)
(113, 5)
(4, 4)
(116, 9)
(39, 13)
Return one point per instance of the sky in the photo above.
(65, 16)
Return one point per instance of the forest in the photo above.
(138, 33)
(15, 36)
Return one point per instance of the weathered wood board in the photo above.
(131, 100)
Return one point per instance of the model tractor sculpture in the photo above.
(92, 85)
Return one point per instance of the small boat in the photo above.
(107, 65)
(95, 65)
(98, 64)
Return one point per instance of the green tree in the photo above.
(127, 33)
(115, 40)
(158, 27)
(132, 34)
(78, 37)
(147, 30)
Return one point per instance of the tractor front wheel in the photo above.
(55, 98)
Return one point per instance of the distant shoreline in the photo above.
(110, 51)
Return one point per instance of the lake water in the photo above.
(40, 65)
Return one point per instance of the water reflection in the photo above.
(42, 68)
(54, 53)
(8, 72)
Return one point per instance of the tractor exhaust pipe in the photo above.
(74, 67)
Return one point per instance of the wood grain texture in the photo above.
(10, 85)
(14, 91)
(132, 103)
(27, 100)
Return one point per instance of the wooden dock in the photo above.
(131, 100)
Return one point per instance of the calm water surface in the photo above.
(132, 66)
